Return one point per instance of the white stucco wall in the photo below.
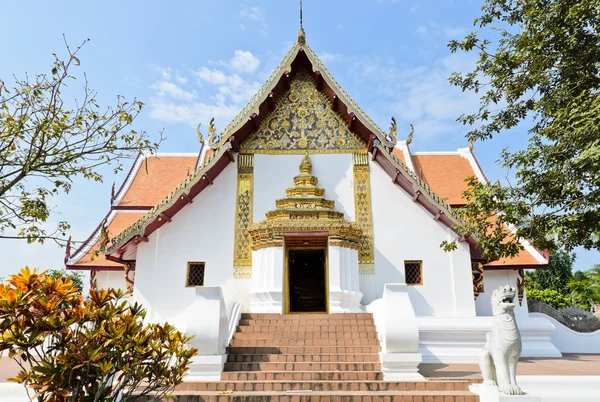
(403, 230)
(493, 280)
(204, 231)
(111, 279)
(201, 231)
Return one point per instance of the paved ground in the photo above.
(569, 364)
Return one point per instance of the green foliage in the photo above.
(584, 289)
(45, 145)
(550, 297)
(557, 275)
(538, 68)
(74, 276)
(76, 349)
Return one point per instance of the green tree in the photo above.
(557, 275)
(583, 289)
(76, 349)
(74, 276)
(539, 69)
(46, 141)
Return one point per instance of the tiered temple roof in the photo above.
(159, 186)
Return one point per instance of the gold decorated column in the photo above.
(242, 254)
(362, 210)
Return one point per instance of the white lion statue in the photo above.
(498, 359)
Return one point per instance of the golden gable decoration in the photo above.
(304, 210)
(302, 122)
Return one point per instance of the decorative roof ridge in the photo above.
(258, 98)
(419, 185)
(139, 226)
(285, 65)
(88, 243)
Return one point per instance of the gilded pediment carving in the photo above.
(303, 121)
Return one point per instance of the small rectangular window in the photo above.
(413, 272)
(195, 274)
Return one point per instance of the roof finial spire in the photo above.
(301, 34)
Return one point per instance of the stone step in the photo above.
(302, 376)
(308, 329)
(349, 366)
(366, 323)
(302, 358)
(327, 396)
(304, 317)
(304, 342)
(304, 335)
(430, 385)
(291, 350)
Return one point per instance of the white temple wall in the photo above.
(111, 279)
(202, 231)
(274, 173)
(492, 279)
(403, 230)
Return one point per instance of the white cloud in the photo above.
(420, 95)
(219, 90)
(422, 29)
(165, 72)
(245, 61)
(166, 88)
(254, 15)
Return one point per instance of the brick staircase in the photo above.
(312, 357)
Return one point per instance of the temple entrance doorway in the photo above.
(306, 280)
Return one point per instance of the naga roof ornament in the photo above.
(213, 138)
(410, 135)
(200, 137)
(391, 136)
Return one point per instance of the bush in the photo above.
(550, 297)
(77, 349)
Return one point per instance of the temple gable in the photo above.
(303, 121)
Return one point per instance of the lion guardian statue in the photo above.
(498, 359)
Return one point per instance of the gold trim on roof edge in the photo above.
(286, 65)
(139, 226)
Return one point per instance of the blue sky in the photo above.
(190, 60)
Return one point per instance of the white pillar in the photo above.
(266, 294)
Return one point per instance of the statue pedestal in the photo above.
(491, 394)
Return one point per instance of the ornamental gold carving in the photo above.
(303, 121)
(242, 254)
(304, 210)
(364, 217)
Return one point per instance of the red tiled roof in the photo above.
(445, 174)
(120, 222)
(156, 178)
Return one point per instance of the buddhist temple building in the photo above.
(302, 204)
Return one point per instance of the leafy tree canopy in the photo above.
(46, 141)
(557, 275)
(538, 67)
(76, 349)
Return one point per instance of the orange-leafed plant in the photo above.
(73, 348)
